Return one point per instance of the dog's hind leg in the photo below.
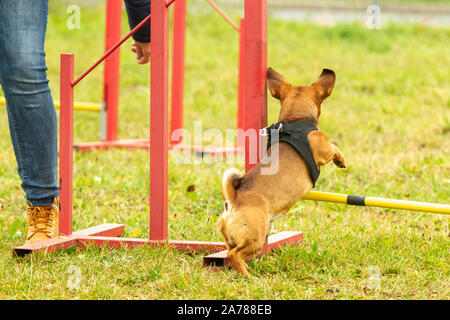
(238, 254)
(237, 257)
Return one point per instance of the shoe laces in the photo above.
(41, 220)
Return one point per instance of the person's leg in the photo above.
(31, 113)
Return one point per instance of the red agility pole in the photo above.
(179, 39)
(241, 82)
(224, 15)
(66, 145)
(159, 88)
(107, 234)
(110, 104)
(110, 51)
(255, 96)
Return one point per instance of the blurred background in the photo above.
(430, 12)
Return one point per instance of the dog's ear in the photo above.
(324, 84)
(276, 83)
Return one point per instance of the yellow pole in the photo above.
(83, 106)
(378, 202)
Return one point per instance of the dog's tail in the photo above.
(230, 183)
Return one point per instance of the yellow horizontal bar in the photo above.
(82, 106)
(326, 196)
(381, 202)
(408, 205)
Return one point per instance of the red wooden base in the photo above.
(145, 145)
(107, 235)
(63, 242)
(273, 243)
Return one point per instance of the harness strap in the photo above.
(296, 135)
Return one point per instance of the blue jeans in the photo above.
(31, 114)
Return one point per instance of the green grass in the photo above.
(389, 114)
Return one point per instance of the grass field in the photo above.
(389, 114)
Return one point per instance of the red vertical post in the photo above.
(255, 46)
(241, 81)
(111, 71)
(179, 39)
(66, 144)
(159, 71)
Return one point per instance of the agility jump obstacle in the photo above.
(107, 234)
(109, 111)
(255, 117)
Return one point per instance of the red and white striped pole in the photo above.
(66, 145)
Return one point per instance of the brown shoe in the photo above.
(43, 222)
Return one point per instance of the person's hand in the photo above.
(142, 50)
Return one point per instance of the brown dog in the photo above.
(253, 201)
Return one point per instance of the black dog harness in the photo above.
(295, 134)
